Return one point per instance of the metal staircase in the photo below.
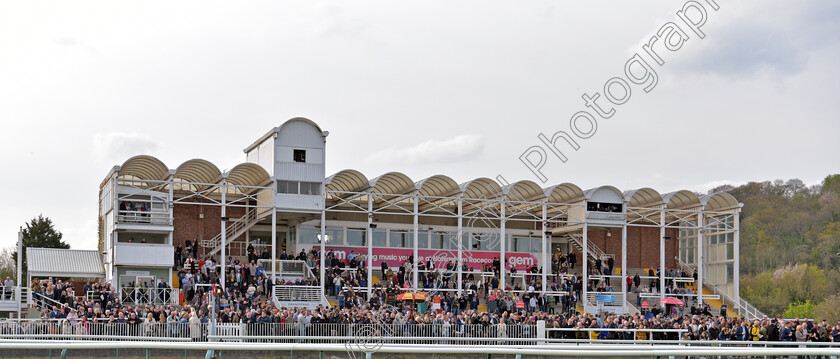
(742, 307)
(594, 251)
(233, 230)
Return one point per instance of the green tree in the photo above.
(8, 266)
(829, 309)
(800, 310)
(39, 233)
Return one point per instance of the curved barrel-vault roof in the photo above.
(523, 191)
(592, 191)
(144, 167)
(347, 181)
(564, 193)
(392, 183)
(198, 171)
(682, 199)
(481, 187)
(437, 186)
(248, 174)
(719, 202)
(643, 197)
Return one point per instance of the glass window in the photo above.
(522, 244)
(730, 272)
(492, 242)
(450, 240)
(356, 237)
(437, 240)
(536, 245)
(730, 251)
(299, 155)
(400, 239)
(423, 240)
(379, 237)
(309, 234)
(335, 236)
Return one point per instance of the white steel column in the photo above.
(585, 262)
(170, 203)
(323, 255)
(248, 242)
(460, 239)
(369, 239)
(20, 285)
(699, 261)
(624, 273)
(502, 244)
(224, 233)
(274, 243)
(546, 267)
(414, 275)
(662, 254)
(736, 246)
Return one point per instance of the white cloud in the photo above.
(117, 145)
(458, 148)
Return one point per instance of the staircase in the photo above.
(42, 302)
(233, 230)
(594, 252)
(740, 306)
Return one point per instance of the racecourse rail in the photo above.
(42, 334)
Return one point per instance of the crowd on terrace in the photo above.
(512, 312)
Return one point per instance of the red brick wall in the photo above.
(189, 226)
(642, 246)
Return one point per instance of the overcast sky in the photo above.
(457, 88)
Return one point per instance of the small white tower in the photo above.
(294, 155)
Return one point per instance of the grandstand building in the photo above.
(280, 199)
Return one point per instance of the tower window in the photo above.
(300, 155)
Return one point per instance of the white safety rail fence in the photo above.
(388, 333)
(546, 350)
(377, 338)
(297, 293)
(145, 295)
(65, 329)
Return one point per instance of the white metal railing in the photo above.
(297, 293)
(147, 295)
(63, 329)
(42, 301)
(355, 345)
(594, 251)
(233, 230)
(154, 216)
(288, 268)
(11, 294)
(531, 339)
(742, 307)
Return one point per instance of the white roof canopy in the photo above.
(53, 262)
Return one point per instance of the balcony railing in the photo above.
(155, 217)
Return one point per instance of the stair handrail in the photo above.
(40, 302)
(742, 305)
(250, 217)
(593, 249)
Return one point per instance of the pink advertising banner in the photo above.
(395, 257)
